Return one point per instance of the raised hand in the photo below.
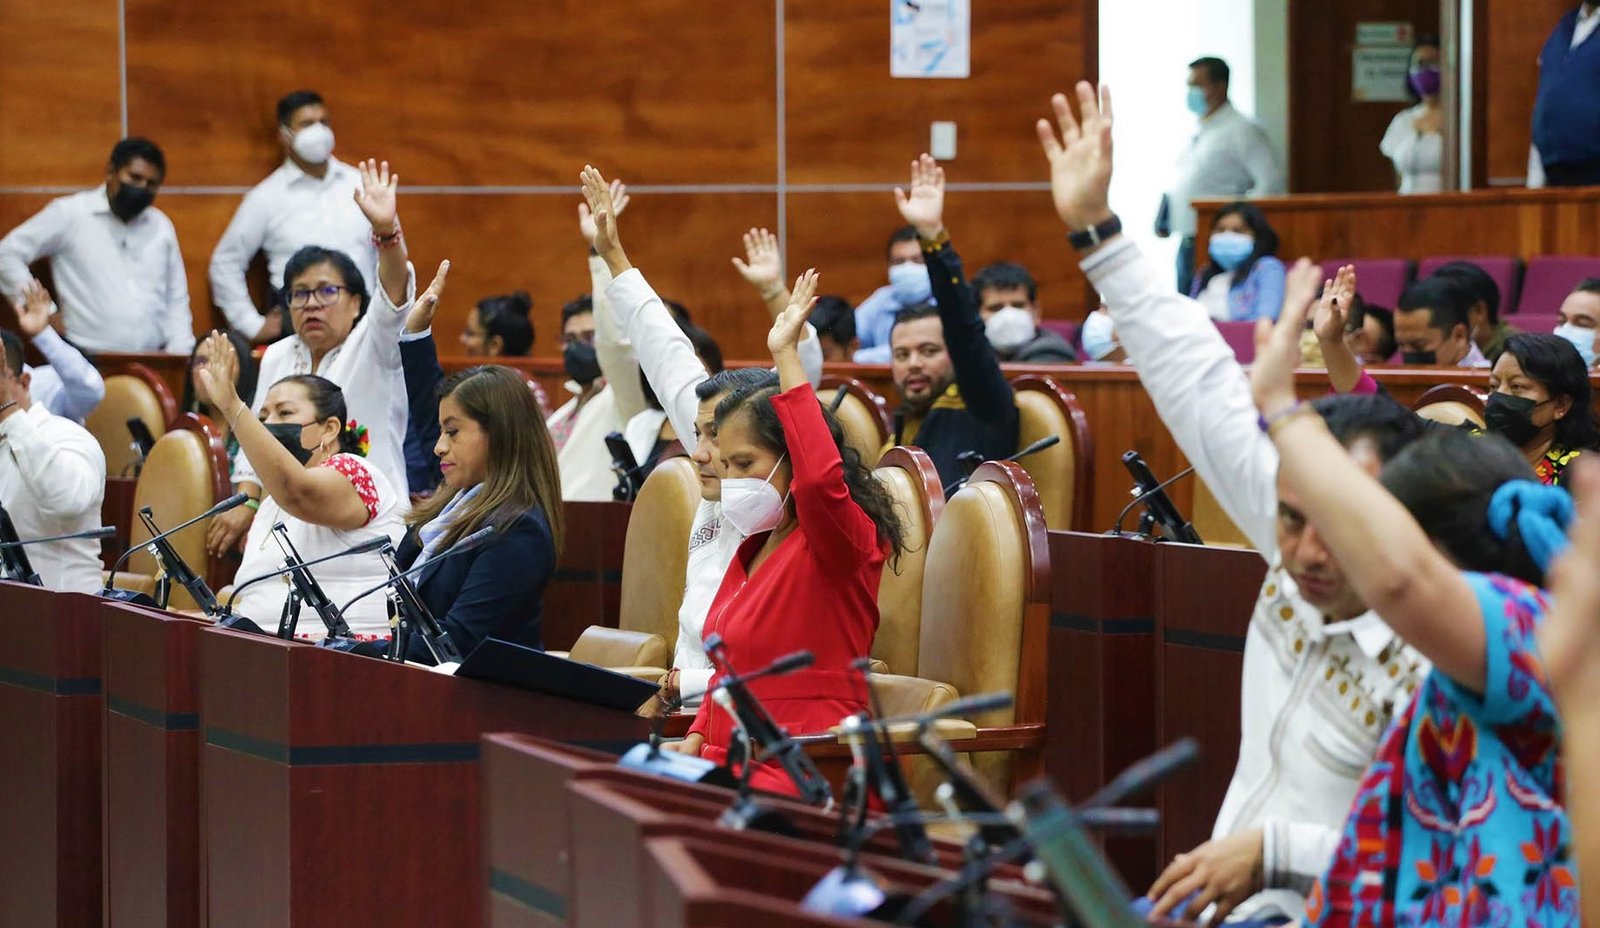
(1080, 157)
(619, 202)
(33, 315)
(791, 323)
(597, 195)
(420, 318)
(1278, 346)
(377, 196)
(216, 381)
(923, 207)
(762, 266)
(1333, 310)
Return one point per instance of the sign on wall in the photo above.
(1381, 62)
(930, 38)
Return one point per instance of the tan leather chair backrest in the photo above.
(900, 589)
(1212, 521)
(655, 556)
(177, 485)
(1451, 413)
(1051, 469)
(127, 396)
(862, 430)
(617, 647)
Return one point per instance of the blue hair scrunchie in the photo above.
(1541, 513)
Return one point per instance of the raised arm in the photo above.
(1329, 320)
(613, 349)
(762, 269)
(377, 199)
(82, 387)
(984, 388)
(419, 360)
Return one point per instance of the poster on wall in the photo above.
(1380, 75)
(930, 38)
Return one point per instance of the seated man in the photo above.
(1008, 301)
(835, 323)
(579, 426)
(1322, 674)
(1489, 331)
(953, 395)
(1580, 317)
(115, 259)
(1433, 325)
(52, 480)
(69, 386)
(1369, 333)
(1100, 338)
(907, 287)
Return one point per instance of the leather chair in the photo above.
(863, 414)
(1063, 474)
(185, 474)
(132, 390)
(636, 654)
(909, 476)
(1451, 404)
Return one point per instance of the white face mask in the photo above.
(1099, 335)
(750, 505)
(314, 143)
(1010, 328)
(1581, 339)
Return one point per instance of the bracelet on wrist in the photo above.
(390, 240)
(935, 243)
(254, 505)
(1271, 423)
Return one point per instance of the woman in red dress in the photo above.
(818, 529)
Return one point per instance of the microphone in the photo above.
(460, 547)
(232, 502)
(1145, 774)
(1049, 441)
(1090, 890)
(763, 733)
(104, 531)
(838, 399)
(13, 560)
(366, 547)
(1158, 508)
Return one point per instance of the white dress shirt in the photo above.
(1229, 156)
(52, 482)
(1418, 156)
(1588, 22)
(366, 367)
(69, 385)
(1316, 695)
(120, 285)
(282, 214)
(584, 460)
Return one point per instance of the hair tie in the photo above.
(1540, 513)
(359, 433)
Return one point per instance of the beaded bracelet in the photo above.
(1270, 423)
(390, 240)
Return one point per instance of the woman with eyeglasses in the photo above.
(336, 336)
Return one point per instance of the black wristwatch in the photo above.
(1085, 239)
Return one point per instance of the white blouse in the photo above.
(1418, 156)
(340, 579)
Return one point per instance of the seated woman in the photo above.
(499, 469)
(817, 529)
(1459, 819)
(307, 454)
(499, 327)
(1244, 280)
(1541, 401)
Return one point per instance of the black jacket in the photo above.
(1046, 347)
(419, 359)
(980, 412)
(493, 591)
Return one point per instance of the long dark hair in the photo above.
(523, 474)
(1556, 364)
(327, 402)
(248, 372)
(1446, 480)
(1266, 243)
(865, 491)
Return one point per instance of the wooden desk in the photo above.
(587, 587)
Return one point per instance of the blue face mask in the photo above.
(1581, 339)
(909, 281)
(1230, 249)
(1197, 102)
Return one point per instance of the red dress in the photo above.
(817, 591)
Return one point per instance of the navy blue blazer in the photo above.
(493, 591)
(419, 359)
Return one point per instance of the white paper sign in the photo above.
(1379, 75)
(1384, 34)
(930, 38)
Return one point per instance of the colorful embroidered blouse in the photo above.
(1458, 819)
(1553, 465)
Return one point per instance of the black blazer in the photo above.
(419, 359)
(495, 590)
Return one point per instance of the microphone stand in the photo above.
(764, 733)
(173, 567)
(972, 459)
(236, 500)
(411, 616)
(229, 619)
(14, 560)
(1159, 509)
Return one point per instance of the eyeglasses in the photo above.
(299, 299)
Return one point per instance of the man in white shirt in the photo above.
(1229, 157)
(309, 200)
(68, 386)
(52, 480)
(115, 259)
(1323, 675)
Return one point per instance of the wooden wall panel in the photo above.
(844, 234)
(1515, 31)
(495, 92)
(59, 106)
(850, 122)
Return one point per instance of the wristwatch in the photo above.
(1084, 239)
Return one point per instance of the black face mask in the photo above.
(581, 364)
(129, 201)
(288, 435)
(1424, 358)
(1512, 417)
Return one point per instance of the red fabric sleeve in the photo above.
(355, 470)
(702, 718)
(840, 532)
(1366, 386)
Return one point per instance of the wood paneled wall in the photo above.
(1513, 32)
(765, 112)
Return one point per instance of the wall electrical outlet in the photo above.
(942, 140)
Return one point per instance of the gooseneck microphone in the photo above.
(13, 560)
(766, 738)
(232, 502)
(1159, 509)
(104, 531)
(460, 547)
(366, 547)
(973, 459)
